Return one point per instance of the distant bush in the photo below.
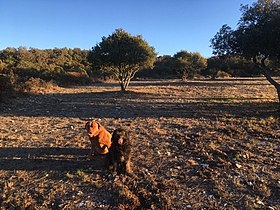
(6, 87)
(236, 66)
(33, 81)
(59, 77)
(222, 74)
(72, 78)
(63, 66)
(36, 85)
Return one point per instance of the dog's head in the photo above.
(92, 128)
(120, 136)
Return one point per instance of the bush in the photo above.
(72, 78)
(6, 87)
(36, 85)
(222, 74)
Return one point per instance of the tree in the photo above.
(188, 64)
(214, 65)
(122, 55)
(164, 66)
(8, 57)
(257, 37)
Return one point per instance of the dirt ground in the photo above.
(196, 145)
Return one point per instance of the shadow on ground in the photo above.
(48, 158)
(223, 82)
(115, 104)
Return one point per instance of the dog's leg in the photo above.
(109, 160)
(115, 162)
(115, 166)
(91, 152)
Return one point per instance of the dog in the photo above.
(99, 137)
(120, 152)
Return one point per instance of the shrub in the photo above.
(36, 85)
(223, 74)
(6, 87)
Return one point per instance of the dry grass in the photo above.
(197, 145)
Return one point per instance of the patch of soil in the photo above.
(197, 145)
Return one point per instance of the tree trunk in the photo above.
(277, 86)
(122, 87)
(266, 72)
(184, 76)
(278, 92)
(272, 81)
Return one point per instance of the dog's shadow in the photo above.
(48, 158)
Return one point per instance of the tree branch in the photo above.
(267, 75)
(266, 72)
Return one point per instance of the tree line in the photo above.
(48, 64)
(252, 49)
(62, 64)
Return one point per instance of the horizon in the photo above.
(167, 26)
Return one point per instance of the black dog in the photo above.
(120, 152)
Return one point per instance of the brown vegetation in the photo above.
(197, 145)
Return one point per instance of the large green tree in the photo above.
(257, 36)
(122, 55)
(188, 64)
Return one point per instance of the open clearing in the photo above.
(197, 145)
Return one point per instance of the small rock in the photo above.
(238, 165)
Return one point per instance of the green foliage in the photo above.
(183, 65)
(258, 33)
(122, 55)
(214, 64)
(163, 68)
(188, 64)
(233, 65)
(56, 64)
(164, 65)
(257, 37)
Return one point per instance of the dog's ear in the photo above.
(87, 125)
(98, 124)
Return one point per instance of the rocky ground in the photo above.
(197, 145)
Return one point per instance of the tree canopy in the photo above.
(257, 34)
(188, 64)
(257, 37)
(122, 55)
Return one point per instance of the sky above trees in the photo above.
(169, 26)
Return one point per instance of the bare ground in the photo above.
(197, 145)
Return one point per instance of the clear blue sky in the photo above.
(167, 25)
